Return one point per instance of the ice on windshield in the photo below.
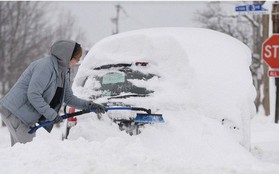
(112, 78)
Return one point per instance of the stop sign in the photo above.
(270, 51)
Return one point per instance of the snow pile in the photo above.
(204, 77)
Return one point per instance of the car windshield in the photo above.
(116, 81)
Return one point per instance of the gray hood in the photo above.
(63, 51)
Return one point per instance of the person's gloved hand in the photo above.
(97, 107)
(57, 119)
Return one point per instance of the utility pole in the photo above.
(275, 17)
(275, 29)
(115, 20)
(266, 98)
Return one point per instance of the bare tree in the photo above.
(67, 28)
(246, 28)
(23, 38)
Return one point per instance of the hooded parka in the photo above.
(31, 95)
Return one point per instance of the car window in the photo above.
(117, 82)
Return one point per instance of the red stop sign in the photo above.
(270, 51)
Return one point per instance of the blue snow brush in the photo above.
(140, 118)
(149, 118)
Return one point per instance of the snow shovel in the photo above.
(140, 118)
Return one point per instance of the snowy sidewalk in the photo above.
(265, 139)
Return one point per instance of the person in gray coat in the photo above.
(40, 92)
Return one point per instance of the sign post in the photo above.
(275, 29)
(270, 54)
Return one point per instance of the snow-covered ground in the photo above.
(204, 77)
(265, 139)
(48, 154)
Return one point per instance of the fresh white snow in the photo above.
(204, 77)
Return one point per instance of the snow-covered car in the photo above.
(193, 76)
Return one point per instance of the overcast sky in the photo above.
(95, 17)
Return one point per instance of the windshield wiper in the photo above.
(128, 96)
(113, 65)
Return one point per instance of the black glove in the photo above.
(97, 107)
(57, 119)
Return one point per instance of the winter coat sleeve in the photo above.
(72, 100)
(39, 81)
